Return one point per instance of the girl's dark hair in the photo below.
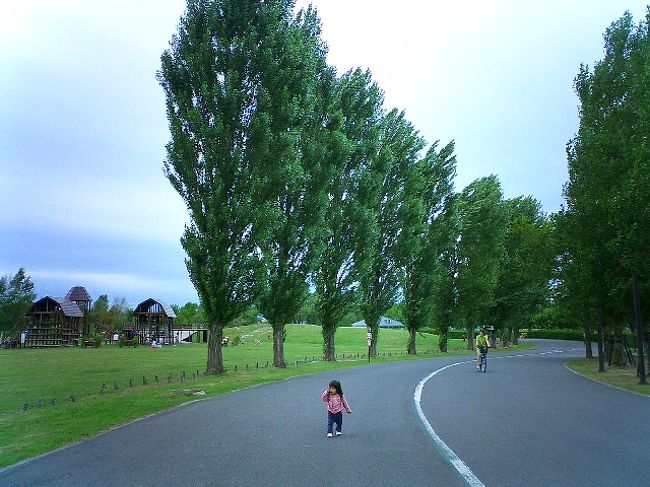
(337, 385)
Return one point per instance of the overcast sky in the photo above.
(83, 199)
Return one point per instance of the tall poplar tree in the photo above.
(481, 246)
(388, 243)
(445, 303)
(574, 292)
(298, 87)
(352, 141)
(215, 76)
(429, 193)
(609, 156)
(526, 266)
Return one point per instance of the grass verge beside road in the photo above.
(617, 376)
(45, 379)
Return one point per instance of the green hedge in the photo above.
(575, 335)
(555, 334)
(453, 334)
(457, 334)
(546, 334)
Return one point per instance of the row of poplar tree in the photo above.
(298, 179)
(606, 223)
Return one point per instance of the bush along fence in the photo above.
(114, 386)
(575, 335)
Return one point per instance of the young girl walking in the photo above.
(336, 404)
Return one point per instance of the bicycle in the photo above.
(482, 366)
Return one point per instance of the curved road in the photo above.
(527, 421)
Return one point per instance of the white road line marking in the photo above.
(444, 450)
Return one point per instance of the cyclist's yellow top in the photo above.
(481, 341)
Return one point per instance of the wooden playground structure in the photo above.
(153, 321)
(53, 322)
(63, 322)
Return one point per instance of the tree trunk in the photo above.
(373, 344)
(646, 341)
(411, 345)
(638, 326)
(444, 338)
(372, 321)
(470, 337)
(278, 347)
(215, 358)
(505, 337)
(601, 340)
(329, 350)
(587, 340)
(618, 354)
(515, 335)
(375, 338)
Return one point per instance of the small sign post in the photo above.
(369, 336)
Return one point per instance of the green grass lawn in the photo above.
(622, 377)
(28, 376)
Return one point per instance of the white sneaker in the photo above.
(338, 433)
(329, 435)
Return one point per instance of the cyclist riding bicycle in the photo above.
(481, 347)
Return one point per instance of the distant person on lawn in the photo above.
(336, 404)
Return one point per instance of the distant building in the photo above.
(383, 323)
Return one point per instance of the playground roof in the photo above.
(69, 308)
(78, 293)
(146, 305)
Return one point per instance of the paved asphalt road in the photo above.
(526, 422)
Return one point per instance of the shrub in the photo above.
(235, 341)
(136, 341)
(457, 334)
(451, 334)
(121, 342)
(98, 340)
(556, 334)
(427, 329)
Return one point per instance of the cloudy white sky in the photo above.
(83, 199)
